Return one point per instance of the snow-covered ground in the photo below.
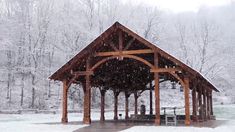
(228, 127)
(35, 123)
(222, 112)
(50, 122)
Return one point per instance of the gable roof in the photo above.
(58, 75)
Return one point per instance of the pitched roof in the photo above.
(65, 69)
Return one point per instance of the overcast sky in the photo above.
(181, 5)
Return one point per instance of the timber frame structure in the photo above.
(122, 61)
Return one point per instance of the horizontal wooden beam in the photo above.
(83, 73)
(126, 52)
(165, 70)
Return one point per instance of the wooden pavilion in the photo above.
(122, 61)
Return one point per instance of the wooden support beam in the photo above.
(102, 104)
(200, 104)
(157, 92)
(113, 46)
(211, 104)
(197, 104)
(129, 44)
(208, 105)
(186, 97)
(194, 103)
(65, 102)
(87, 97)
(83, 73)
(150, 98)
(116, 105)
(136, 102)
(204, 105)
(124, 52)
(120, 40)
(127, 95)
(159, 70)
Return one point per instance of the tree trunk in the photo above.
(22, 91)
(8, 86)
(49, 89)
(22, 96)
(33, 97)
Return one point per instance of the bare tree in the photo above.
(10, 77)
(89, 12)
(181, 30)
(205, 35)
(151, 23)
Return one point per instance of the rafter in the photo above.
(120, 40)
(113, 46)
(129, 44)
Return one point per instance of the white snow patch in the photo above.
(228, 127)
(36, 123)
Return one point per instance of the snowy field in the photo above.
(48, 122)
(43, 122)
(222, 112)
(35, 123)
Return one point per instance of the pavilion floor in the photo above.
(114, 126)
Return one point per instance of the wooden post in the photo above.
(126, 105)
(87, 97)
(204, 105)
(194, 103)
(208, 105)
(157, 92)
(115, 105)
(65, 102)
(136, 102)
(197, 104)
(102, 118)
(120, 40)
(200, 104)
(120, 44)
(186, 97)
(150, 98)
(211, 104)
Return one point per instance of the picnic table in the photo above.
(170, 119)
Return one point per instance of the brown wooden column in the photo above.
(208, 105)
(126, 105)
(194, 103)
(157, 92)
(150, 98)
(204, 104)
(116, 105)
(102, 104)
(211, 104)
(136, 103)
(200, 104)
(197, 104)
(186, 97)
(87, 97)
(65, 102)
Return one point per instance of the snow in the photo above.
(51, 122)
(44, 122)
(36, 123)
(228, 127)
(222, 112)
(225, 112)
